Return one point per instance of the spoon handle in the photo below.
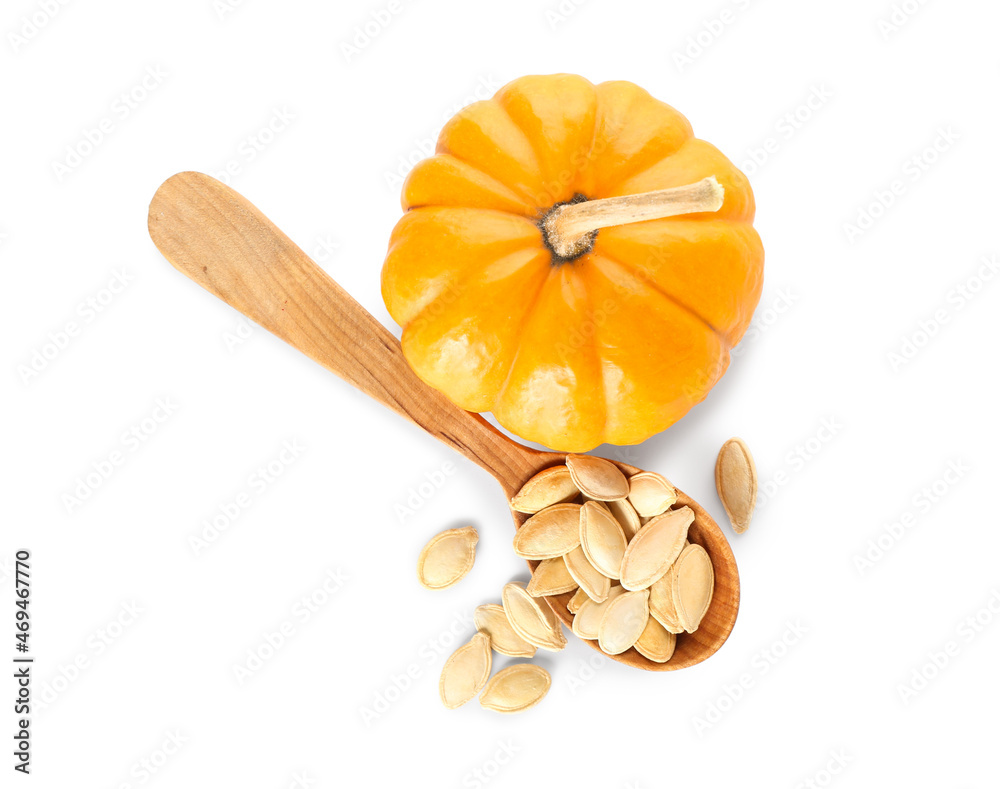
(216, 237)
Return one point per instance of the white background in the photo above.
(836, 306)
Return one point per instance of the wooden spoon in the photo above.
(220, 240)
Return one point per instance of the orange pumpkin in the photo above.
(613, 342)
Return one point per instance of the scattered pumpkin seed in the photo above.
(597, 478)
(447, 557)
(589, 578)
(533, 621)
(656, 642)
(516, 688)
(626, 516)
(693, 584)
(625, 557)
(466, 671)
(650, 493)
(736, 483)
(623, 622)
(661, 602)
(492, 620)
(552, 532)
(587, 621)
(602, 539)
(551, 486)
(576, 601)
(655, 548)
(551, 577)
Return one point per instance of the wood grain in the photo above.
(217, 238)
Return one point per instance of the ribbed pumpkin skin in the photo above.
(613, 346)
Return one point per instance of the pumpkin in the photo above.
(611, 336)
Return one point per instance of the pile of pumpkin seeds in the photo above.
(619, 543)
(622, 545)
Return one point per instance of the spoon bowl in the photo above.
(217, 238)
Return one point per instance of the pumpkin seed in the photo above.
(650, 493)
(576, 601)
(693, 584)
(587, 621)
(597, 478)
(626, 516)
(516, 688)
(656, 642)
(654, 548)
(531, 620)
(661, 602)
(492, 620)
(551, 577)
(447, 557)
(602, 539)
(623, 622)
(466, 671)
(590, 579)
(551, 486)
(552, 532)
(736, 483)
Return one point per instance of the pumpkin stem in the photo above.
(570, 228)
